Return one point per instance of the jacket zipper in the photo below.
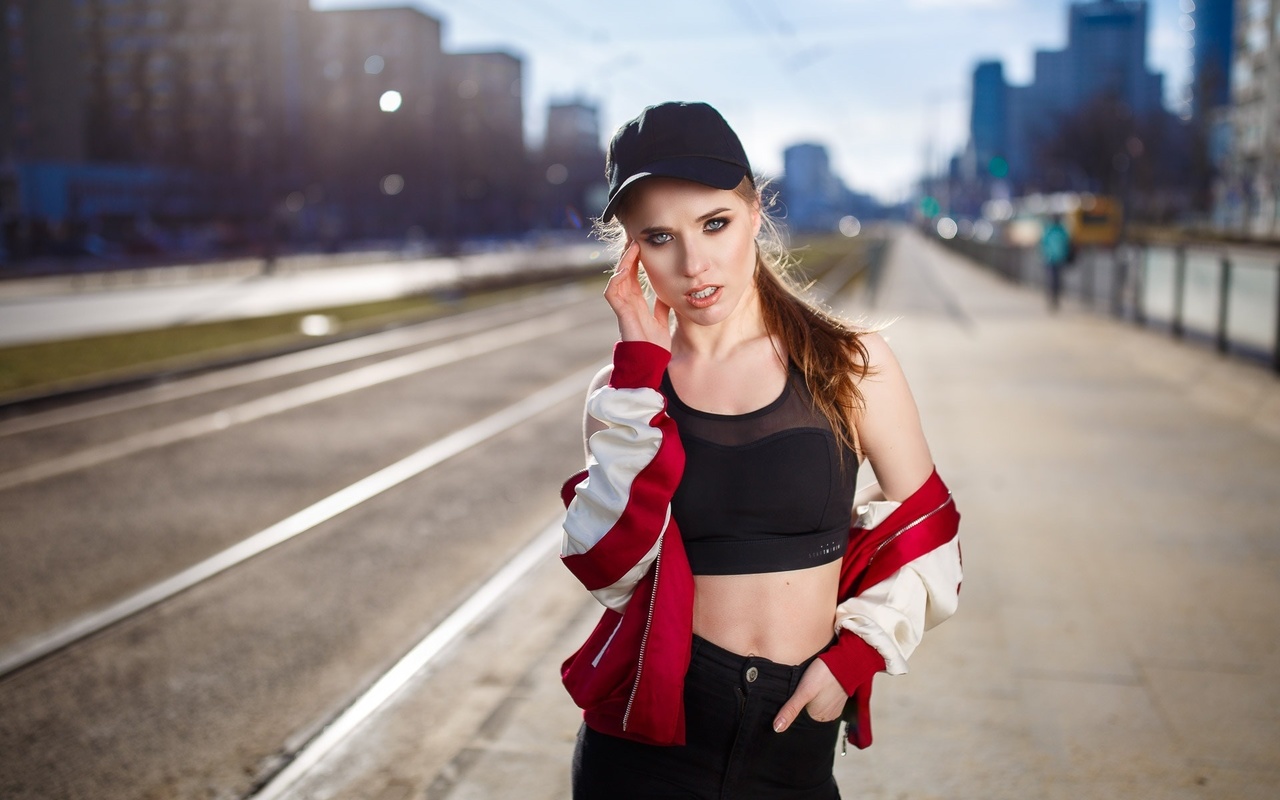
(908, 527)
(644, 638)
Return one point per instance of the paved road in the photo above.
(65, 311)
(1117, 635)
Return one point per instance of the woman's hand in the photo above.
(819, 692)
(636, 322)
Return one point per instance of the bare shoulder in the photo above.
(883, 364)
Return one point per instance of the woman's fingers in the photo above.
(630, 256)
(661, 312)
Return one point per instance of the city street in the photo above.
(199, 582)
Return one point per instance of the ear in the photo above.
(755, 219)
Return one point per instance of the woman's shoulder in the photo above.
(881, 367)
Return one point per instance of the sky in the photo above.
(883, 84)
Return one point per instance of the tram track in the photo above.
(27, 652)
(131, 669)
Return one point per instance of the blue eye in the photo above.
(658, 238)
(719, 223)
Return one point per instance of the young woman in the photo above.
(743, 609)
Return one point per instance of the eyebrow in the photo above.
(703, 218)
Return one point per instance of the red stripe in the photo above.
(641, 520)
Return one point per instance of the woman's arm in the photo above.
(889, 428)
(878, 629)
(619, 507)
(618, 510)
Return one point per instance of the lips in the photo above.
(703, 296)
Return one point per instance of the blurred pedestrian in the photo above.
(745, 613)
(1055, 250)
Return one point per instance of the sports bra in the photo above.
(765, 491)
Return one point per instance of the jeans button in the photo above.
(752, 674)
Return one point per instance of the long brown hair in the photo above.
(827, 349)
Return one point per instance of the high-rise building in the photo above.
(207, 86)
(989, 119)
(1107, 48)
(267, 116)
(572, 165)
(1213, 30)
(814, 197)
(490, 173)
(41, 82)
(1104, 59)
(380, 131)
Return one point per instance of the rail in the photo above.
(1228, 294)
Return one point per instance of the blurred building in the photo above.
(203, 124)
(41, 82)
(118, 117)
(1213, 33)
(813, 197)
(489, 170)
(1247, 196)
(989, 119)
(1104, 62)
(572, 165)
(378, 128)
(211, 88)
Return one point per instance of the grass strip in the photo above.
(49, 367)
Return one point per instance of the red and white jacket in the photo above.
(900, 575)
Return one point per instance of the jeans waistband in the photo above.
(752, 672)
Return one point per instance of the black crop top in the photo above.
(764, 491)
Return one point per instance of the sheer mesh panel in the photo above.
(792, 410)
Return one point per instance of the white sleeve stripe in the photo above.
(619, 453)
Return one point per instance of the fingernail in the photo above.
(778, 725)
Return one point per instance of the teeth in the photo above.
(704, 294)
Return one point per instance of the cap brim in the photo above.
(708, 171)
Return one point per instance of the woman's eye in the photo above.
(716, 224)
(658, 238)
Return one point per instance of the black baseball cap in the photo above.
(675, 140)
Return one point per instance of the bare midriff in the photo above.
(782, 616)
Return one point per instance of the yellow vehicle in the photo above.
(1094, 222)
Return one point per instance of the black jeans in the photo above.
(731, 750)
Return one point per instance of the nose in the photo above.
(695, 259)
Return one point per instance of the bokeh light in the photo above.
(390, 101)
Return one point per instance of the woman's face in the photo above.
(697, 245)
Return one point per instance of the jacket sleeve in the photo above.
(617, 514)
(880, 626)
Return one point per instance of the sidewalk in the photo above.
(67, 307)
(1117, 635)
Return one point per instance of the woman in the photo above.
(713, 519)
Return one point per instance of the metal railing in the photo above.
(1225, 293)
